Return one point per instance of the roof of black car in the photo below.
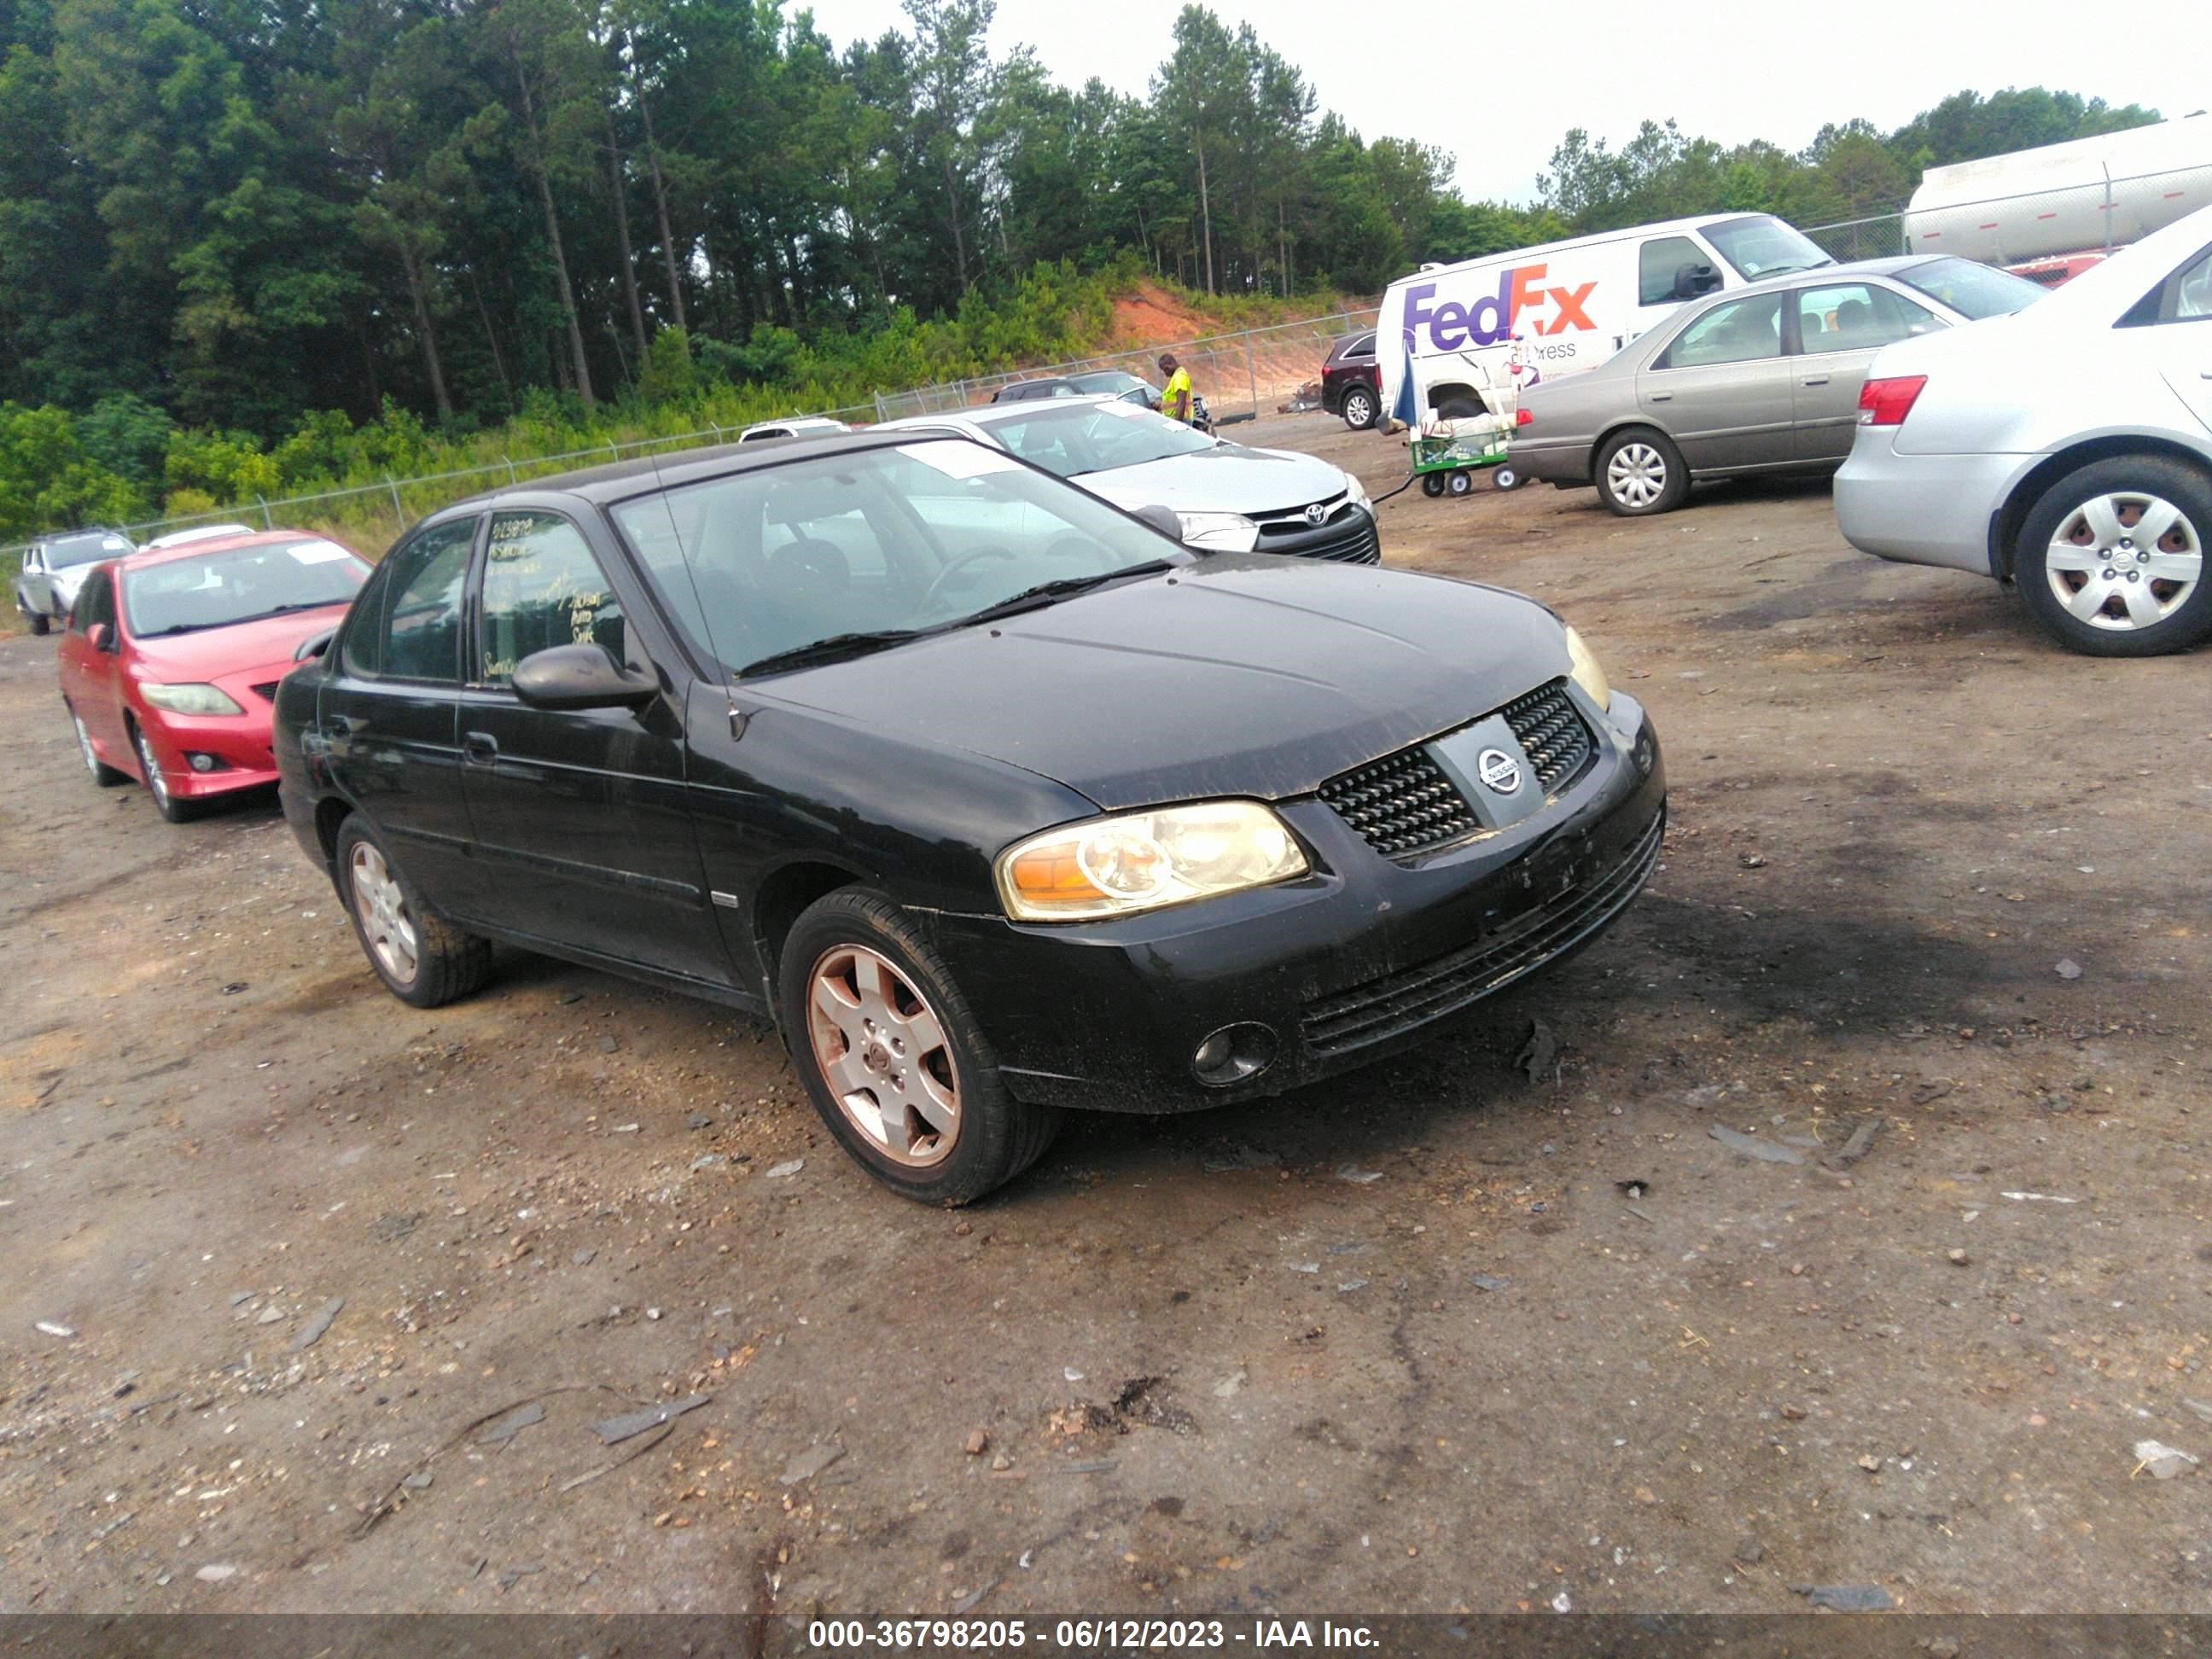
(618, 479)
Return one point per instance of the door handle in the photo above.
(1663, 396)
(480, 748)
(1816, 380)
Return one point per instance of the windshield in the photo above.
(64, 552)
(1096, 437)
(1973, 289)
(882, 542)
(183, 596)
(1761, 245)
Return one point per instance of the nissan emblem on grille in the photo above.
(1499, 770)
(1317, 512)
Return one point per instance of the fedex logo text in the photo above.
(1495, 316)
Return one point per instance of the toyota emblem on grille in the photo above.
(1499, 770)
(1317, 512)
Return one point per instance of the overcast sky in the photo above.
(1498, 83)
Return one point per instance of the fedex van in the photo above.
(1513, 320)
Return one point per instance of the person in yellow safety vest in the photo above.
(1175, 398)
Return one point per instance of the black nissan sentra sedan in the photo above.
(995, 798)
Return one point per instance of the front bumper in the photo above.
(1357, 961)
(1922, 509)
(239, 743)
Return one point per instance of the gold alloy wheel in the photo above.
(882, 1050)
(382, 908)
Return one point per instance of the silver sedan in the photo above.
(1764, 379)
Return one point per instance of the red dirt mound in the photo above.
(1151, 316)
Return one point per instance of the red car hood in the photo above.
(212, 653)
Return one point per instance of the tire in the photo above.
(41, 623)
(1505, 478)
(386, 914)
(1650, 479)
(174, 809)
(1362, 408)
(1460, 482)
(2078, 542)
(854, 983)
(103, 774)
(1432, 484)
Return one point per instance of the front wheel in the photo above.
(422, 959)
(1505, 478)
(892, 1058)
(2111, 558)
(1461, 483)
(1640, 472)
(1432, 484)
(38, 621)
(1360, 408)
(174, 808)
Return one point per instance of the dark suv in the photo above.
(1350, 384)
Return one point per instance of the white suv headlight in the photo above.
(1218, 533)
(189, 699)
(1137, 861)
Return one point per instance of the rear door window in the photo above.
(1740, 331)
(1857, 317)
(414, 630)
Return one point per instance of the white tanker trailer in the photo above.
(2051, 213)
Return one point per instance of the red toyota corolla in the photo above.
(171, 658)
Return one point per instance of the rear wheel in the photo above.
(422, 959)
(1505, 478)
(2111, 559)
(38, 621)
(1361, 406)
(894, 1061)
(1640, 472)
(177, 809)
(1432, 484)
(105, 775)
(1462, 482)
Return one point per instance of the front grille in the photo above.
(1397, 1003)
(266, 691)
(1345, 535)
(1400, 804)
(1358, 544)
(1552, 734)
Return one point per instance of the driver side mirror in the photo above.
(100, 637)
(1691, 281)
(1162, 519)
(577, 676)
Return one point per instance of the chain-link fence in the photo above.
(1240, 375)
(2037, 229)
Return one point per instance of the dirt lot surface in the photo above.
(1409, 1340)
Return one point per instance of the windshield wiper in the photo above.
(1044, 594)
(830, 650)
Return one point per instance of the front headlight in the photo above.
(1355, 491)
(1139, 861)
(189, 699)
(1218, 533)
(1586, 674)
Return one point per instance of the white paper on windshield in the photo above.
(318, 552)
(958, 459)
(113, 541)
(1125, 410)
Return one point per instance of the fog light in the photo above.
(202, 762)
(1233, 1054)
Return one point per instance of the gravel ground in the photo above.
(1442, 1334)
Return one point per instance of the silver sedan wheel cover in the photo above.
(2123, 561)
(381, 907)
(883, 1053)
(1635, 475)
(152, 768)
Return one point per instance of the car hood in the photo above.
(1227, 478)
(1235, 676)
(210, 653)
